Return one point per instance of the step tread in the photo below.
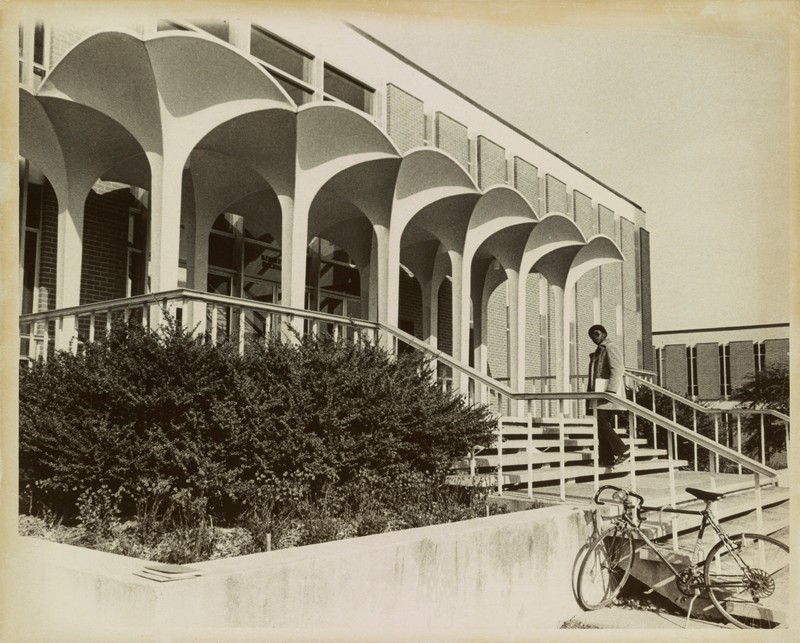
(521, 458)
(552, 474)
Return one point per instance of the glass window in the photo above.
(167, 25)
(29, 272)
(217, 28)
(221, 251)
(300, 95)
(279, 54)
(348, 90)
(38, 44)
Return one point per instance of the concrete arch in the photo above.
(555, 232)
(39, 142)
(598, 251)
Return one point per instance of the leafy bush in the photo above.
(184, 434)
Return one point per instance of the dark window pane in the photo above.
(348, 90)
(300, 95)
(220, 251)
(223, 224)
(219, 284)
(29, 272)
(276, 53)
(20, 41)
(166, 25)
(217, 28)
(34, 205)
(136, 273)
(38, 44)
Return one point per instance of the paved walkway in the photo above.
(620, 618)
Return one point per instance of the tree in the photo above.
(767, 389)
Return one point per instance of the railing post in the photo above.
(632, 447)
(764, 444)
(530, 457)
(739, 438)
(91, 326)
(672, 494)
(500, 456)
(694, 427)
(240, 329)
(562, 481)
(214, 313)
(655, 426)
(675, 419)
(759, 508)
(716, 439)
(595, 449)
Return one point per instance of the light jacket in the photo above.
(606, 362)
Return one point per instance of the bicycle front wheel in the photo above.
(750, 586)
(604, 569)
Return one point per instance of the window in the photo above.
(168, 25)
(691, 367)
(725, 371)
(137, 246)
(759, 356)
(34, 53)
(342, 87)
(217, 28)
(290, 66)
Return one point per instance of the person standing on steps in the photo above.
(605, 374)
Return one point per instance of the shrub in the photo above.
(185, 434)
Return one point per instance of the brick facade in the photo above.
(555, 192)
(405, 118)
(776, 351)
(497, 336)
(492, 168)
(675, 373)
(609, 274)
(708, 373)
(742, 362)
(648, 354)
(452, 137)
(630, 313)
(526, 180)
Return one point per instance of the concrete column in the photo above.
(379, 275)
(461, 305)
(165, 208)
(517, 322)
(69, 259)
(560, 336)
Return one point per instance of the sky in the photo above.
(684, 110)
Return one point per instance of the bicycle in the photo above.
(745, 575)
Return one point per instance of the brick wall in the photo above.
(742, 362)
(410, 304)
(452, 137)
(526, 180)
(405, 118)
(491, 163)
(587, 287)
(708, 374)
(445, 326)
(609, 274)
(48, 249)
(533, 353)
(555, 192)
(630, 317)
(675, 375)
(648, 354)
(497, 339)
(105, 243)
(776, 352)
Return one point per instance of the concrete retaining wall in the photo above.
(503, 574)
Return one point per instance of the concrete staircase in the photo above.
(530, 452)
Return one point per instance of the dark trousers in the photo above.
(609, 443)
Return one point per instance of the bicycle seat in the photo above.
(708, 496)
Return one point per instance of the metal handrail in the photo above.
(704, 409)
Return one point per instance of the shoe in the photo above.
(621, 458)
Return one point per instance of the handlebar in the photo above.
(619, 497)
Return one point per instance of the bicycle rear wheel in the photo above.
(752, 592)
(604, 569)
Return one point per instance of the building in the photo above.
(306, 164)
(709, 364)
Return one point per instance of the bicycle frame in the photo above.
(708, 518)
